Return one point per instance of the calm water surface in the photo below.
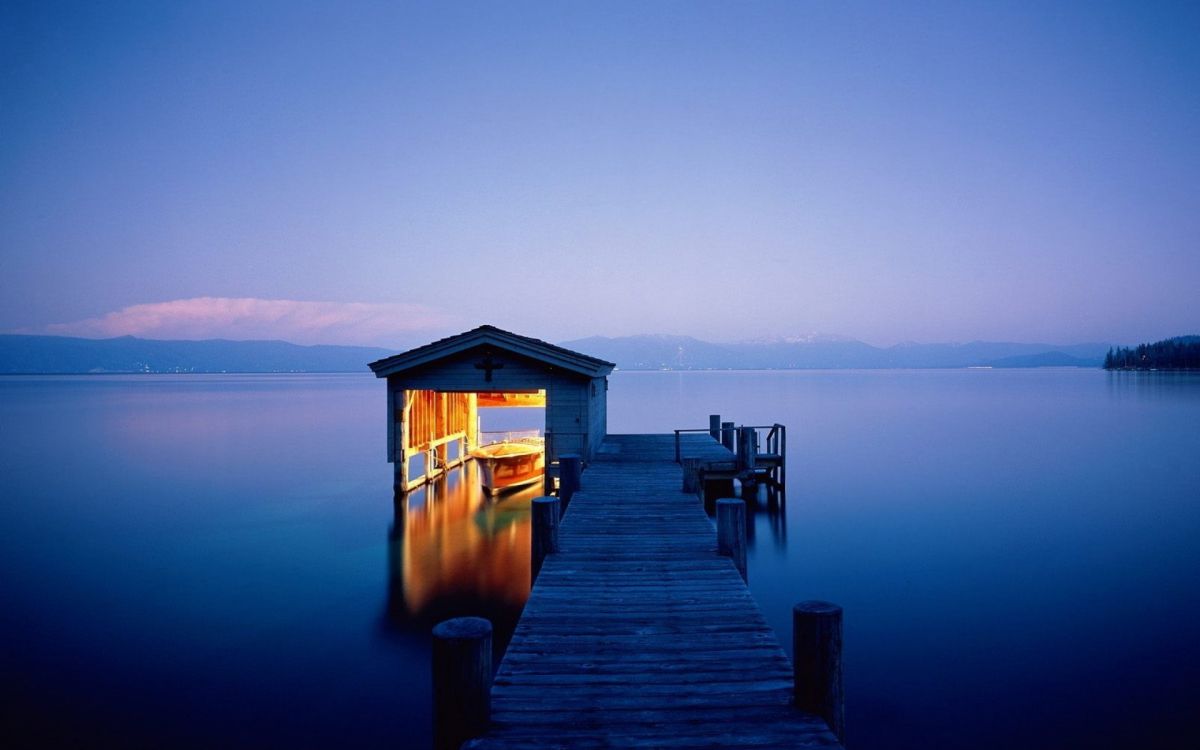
(204, 561)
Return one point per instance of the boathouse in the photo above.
(434, 394)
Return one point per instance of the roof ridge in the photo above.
(585, 360)
(542, 342)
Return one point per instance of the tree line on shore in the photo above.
(1181, 353)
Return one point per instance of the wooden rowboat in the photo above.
(510, 463)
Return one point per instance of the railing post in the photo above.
(727, 435)
(714, 426)
(546, 512)
(731, 532)
(551, 456)
(570, 476)
(462, 680)
(677, 456)
(691, 475)
(782, 478)
(817, 662)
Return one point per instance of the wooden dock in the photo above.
(637, 633)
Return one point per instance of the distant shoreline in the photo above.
(167, 372)
(1181, 353)
(1151, 369)
(618, 370)
(54, 355)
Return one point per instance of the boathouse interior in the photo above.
(435, 392)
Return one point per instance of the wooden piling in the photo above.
(747, 448)
(728, 434)
(731, 532)
(462, 680)
(714, 426)
(570, 476)
(546, 512)
(817, 662)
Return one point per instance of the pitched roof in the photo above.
(493, 336)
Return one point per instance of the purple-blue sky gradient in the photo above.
(386, 173)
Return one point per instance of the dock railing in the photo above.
(775, 443)
(757, 451)
(509, 436)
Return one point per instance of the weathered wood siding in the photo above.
(597, 416)
(566, 419)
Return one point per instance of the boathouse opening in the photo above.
(435, 392)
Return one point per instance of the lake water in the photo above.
(216, 561)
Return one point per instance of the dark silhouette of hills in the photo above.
(61, 354)
(656, 352)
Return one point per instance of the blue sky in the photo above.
(386, 173)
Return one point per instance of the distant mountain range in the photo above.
(63, 355)
(817, 352)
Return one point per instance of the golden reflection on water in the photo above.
(455, 551)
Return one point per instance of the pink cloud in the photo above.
(299, 321)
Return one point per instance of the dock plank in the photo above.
(637, 634)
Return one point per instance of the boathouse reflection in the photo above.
(454, 551)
